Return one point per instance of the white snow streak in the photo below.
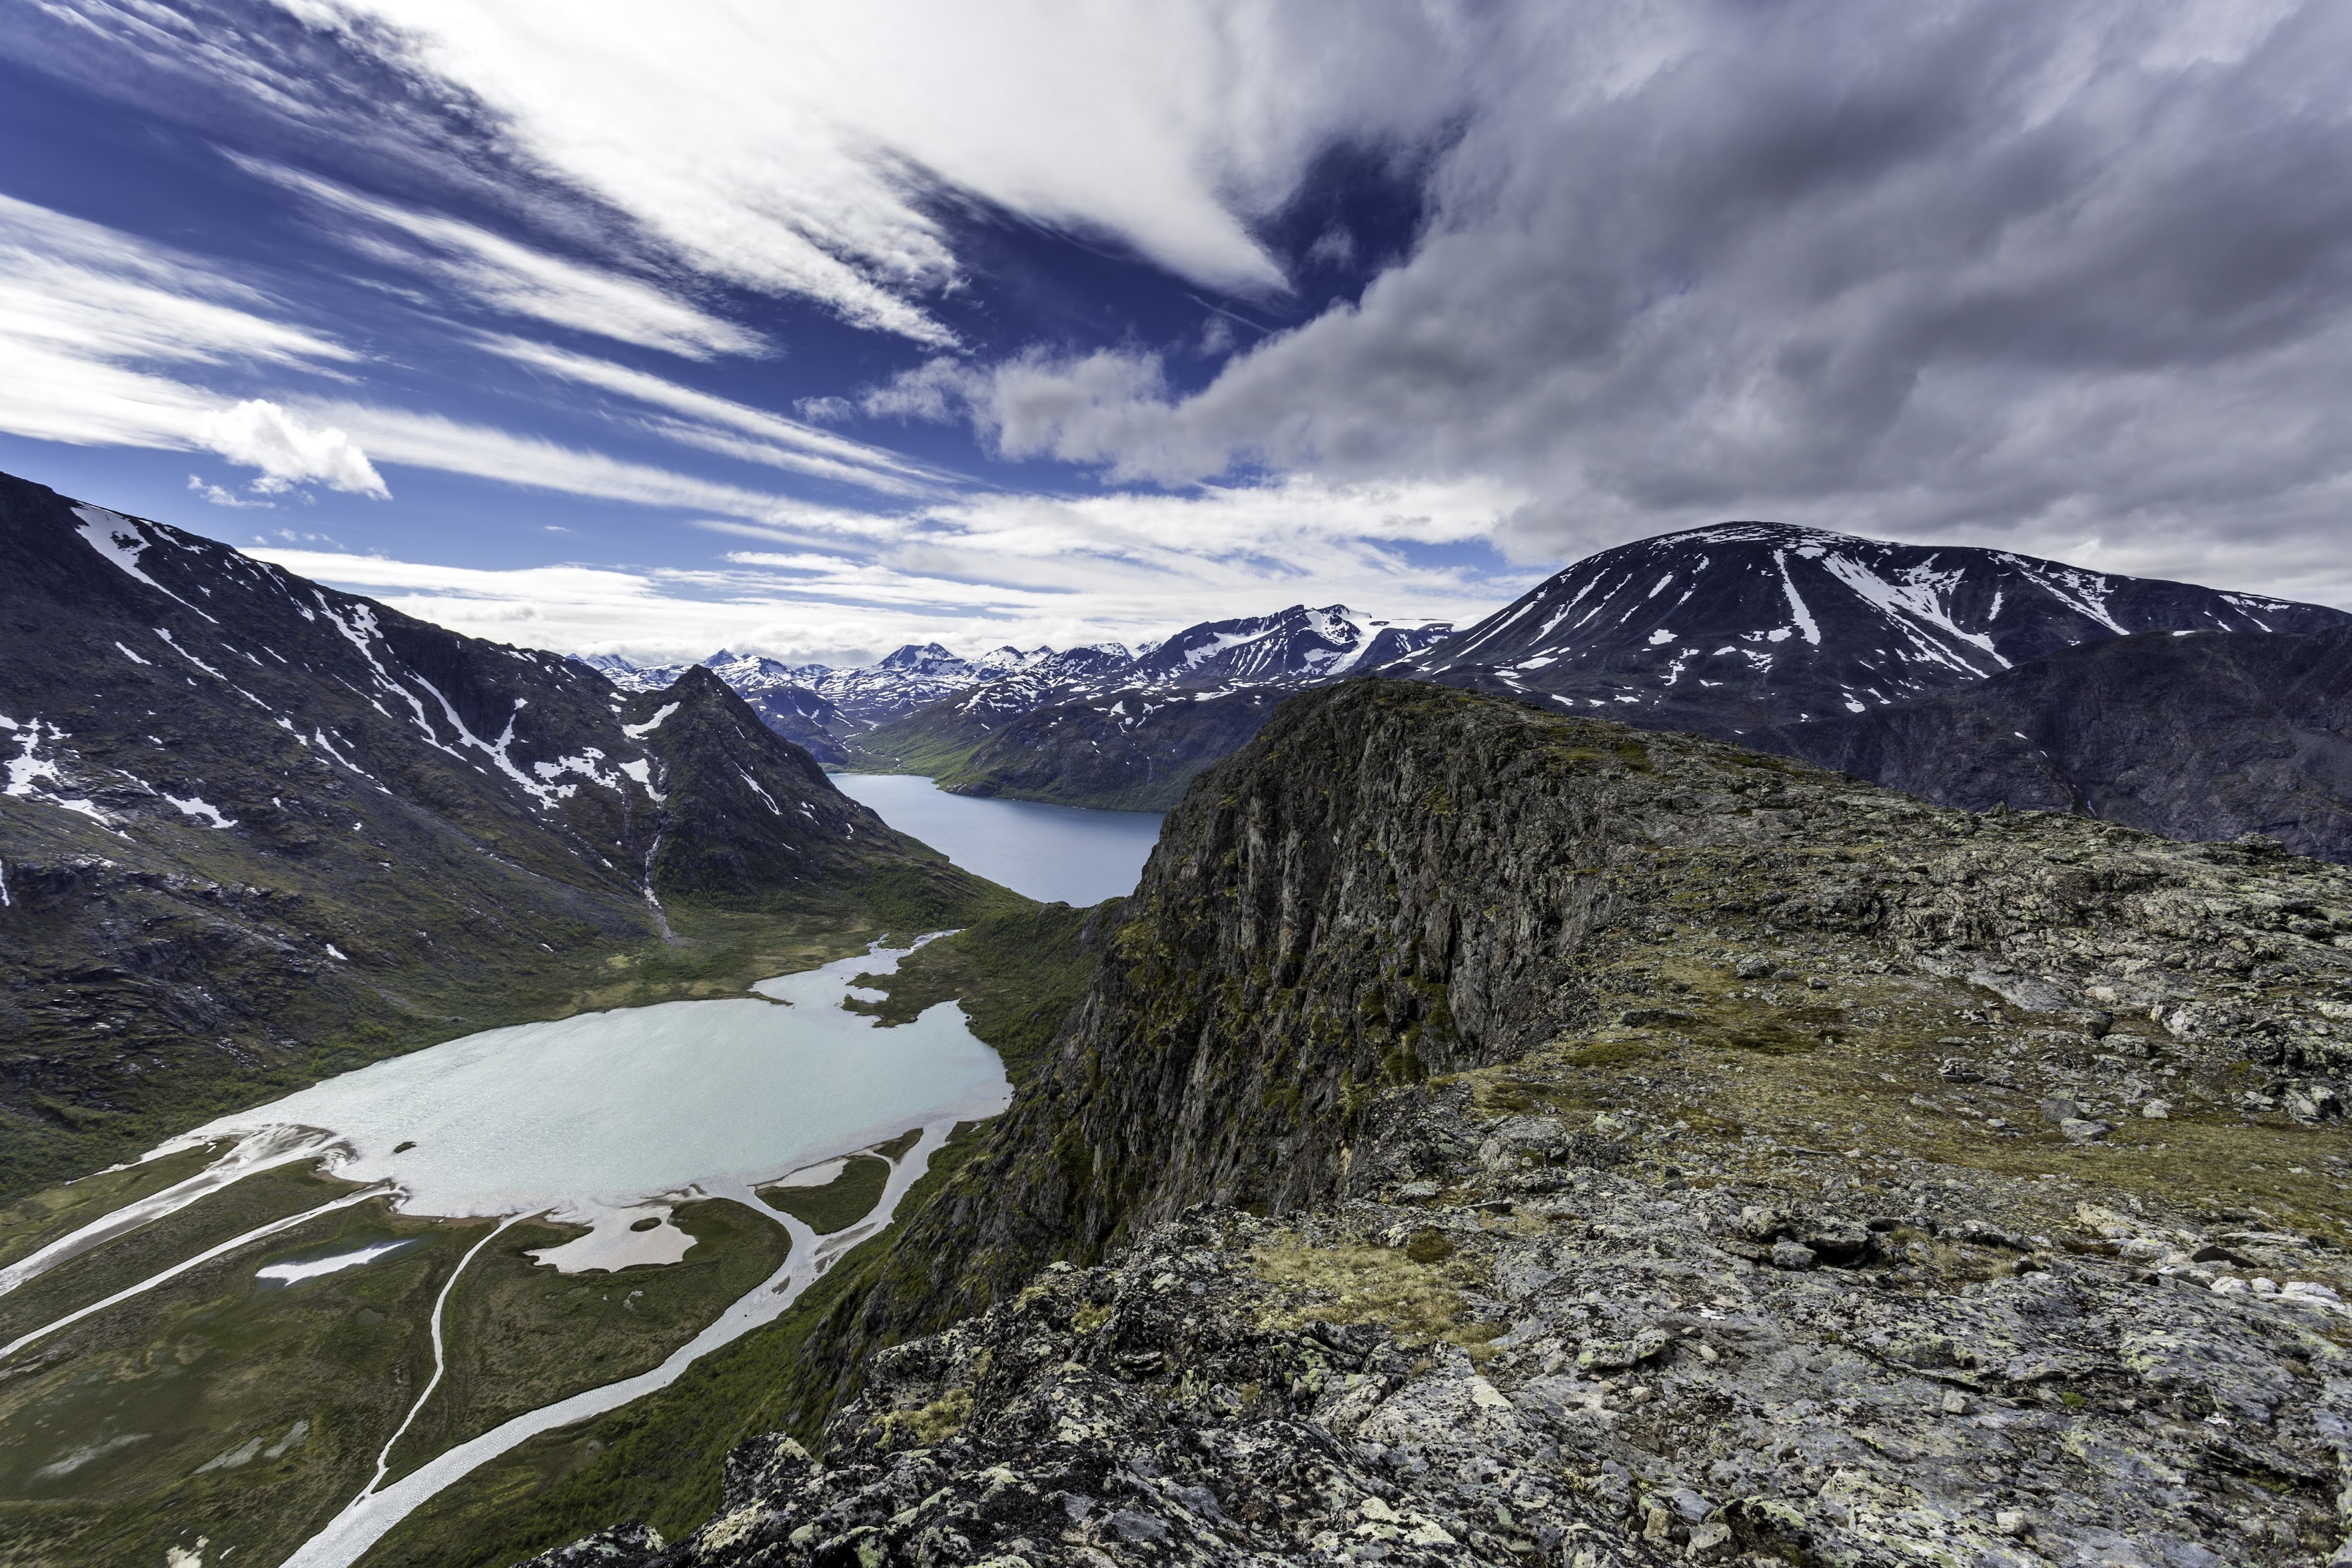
(639, 731)
(120, 540)
(1797, 606)
(195, 806)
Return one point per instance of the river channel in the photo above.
(607, 1120)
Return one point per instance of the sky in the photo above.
(814, 330)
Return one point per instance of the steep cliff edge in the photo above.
(1494, 1137)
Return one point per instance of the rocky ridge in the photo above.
(1497, 1137)
(2200, 736)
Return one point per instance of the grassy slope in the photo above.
(660, 1459)
(1017, 976)
(203, 1364)
(522, 1336)
(923, 742)
(840, 1203)
(162, 1384)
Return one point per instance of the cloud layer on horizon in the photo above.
(2073, 281)
(976, 572)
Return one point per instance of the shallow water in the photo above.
(1048, 852)
(588, 1117)
(295, 1270)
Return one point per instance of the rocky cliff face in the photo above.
(1495, 1137)
(2203, 737)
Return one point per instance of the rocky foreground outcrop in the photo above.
(1504, 1138)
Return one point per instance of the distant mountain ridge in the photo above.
(862, 696)
(1739, 626)
(1129, 735)
(1909, 665)
(1146, 719)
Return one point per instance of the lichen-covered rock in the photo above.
(1204, 1398)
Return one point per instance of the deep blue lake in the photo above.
(1048, 852)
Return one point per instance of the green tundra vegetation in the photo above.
(220, 1406)
(838, 1203)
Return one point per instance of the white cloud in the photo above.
(88, 316)
(776, 441)
(220, 497)
(976, 572)
(287, 449)
(526, 283)
(486, 452)
(796, 148)
(85, 310)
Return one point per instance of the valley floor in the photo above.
(214, 1402)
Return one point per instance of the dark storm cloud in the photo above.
(2044, 274)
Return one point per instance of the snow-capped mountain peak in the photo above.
(1739, 624)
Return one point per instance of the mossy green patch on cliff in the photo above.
(1415, 1291)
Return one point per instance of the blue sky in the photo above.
(815, 330)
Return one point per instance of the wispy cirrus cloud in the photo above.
(818, 152)
(508, 457)
(517, 278)
(980, 570)
(91, 320)
(734, 429)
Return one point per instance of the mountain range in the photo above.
(1095, 725)
(1729, 628)
(1968, 677)
(252, 828)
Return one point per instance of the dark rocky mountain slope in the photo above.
(252, 830)
(1727, 629)
(2203, 737)
(1494, 1137)
(1083, 729)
